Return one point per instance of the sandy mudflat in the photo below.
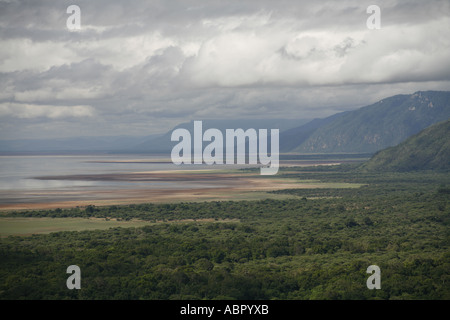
(153, 186)
(203, 185)
(147, 176)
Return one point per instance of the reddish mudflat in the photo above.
(203, 186)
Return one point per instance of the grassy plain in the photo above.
(28, 226)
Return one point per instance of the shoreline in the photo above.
(145, 187)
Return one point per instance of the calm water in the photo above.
(19, 183)
(18, 174)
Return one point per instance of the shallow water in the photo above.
(20, 175)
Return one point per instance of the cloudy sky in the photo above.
(140, 67)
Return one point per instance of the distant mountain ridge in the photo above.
(371, 128)
(163, 144)
(292, 138)
(156, 143)
(366, 130)
(427, 150)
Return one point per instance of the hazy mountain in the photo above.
(292, 138)
(371, 128)
(429, 149)
(157, 143)
(365, 130)
(163, 144)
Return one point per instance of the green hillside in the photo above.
(429, 149)
(380, 125)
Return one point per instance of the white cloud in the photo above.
(25, 54)
(283, 57)
(67, 93)
(30, 111)
(123, 52)
(401, 53)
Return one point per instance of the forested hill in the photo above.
(429, 149)
(377, 126)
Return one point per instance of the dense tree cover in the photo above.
(315, 246)
(429, 149)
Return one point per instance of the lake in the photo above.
(20, 174)
(47, 181)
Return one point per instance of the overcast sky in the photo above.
(140, 67)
